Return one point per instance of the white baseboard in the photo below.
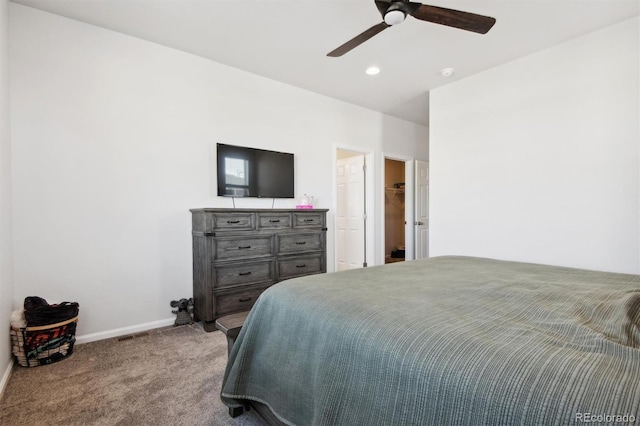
(92, 337)
(5, 377)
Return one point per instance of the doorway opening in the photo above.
(394, 211)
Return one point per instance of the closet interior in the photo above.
(394, 210)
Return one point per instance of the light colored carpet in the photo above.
(168, 376)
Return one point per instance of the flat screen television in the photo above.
(251, 172)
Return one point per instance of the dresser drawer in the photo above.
(228, 302)
(239, 273)
(296, 243)
(231, 221)
(308, 220)
(226, 248)
(274, 220)
(290, 267)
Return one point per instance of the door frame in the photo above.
(409, 188)
(370, 255)
(416, 213)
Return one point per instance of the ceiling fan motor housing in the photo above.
(395, 12)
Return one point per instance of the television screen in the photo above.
(251, 172)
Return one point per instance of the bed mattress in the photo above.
(443, 341)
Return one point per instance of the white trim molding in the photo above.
(101, 335)
(5, 377)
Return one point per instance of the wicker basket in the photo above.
(45, 344)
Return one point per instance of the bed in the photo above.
(443, 341)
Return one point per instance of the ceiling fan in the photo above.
(395, 11)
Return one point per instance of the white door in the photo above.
(422, 209)
(350, 219)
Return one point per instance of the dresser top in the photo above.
(231, 210)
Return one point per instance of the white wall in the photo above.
(6, 263)
(113, 142)
(538, 160)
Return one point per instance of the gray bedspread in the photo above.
(444, 341)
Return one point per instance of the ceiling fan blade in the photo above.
(382, 6)
(452, 18)
(358, 40)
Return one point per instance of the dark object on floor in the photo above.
(185, 307)
(33, 302)
(397, 254)
(38, 312)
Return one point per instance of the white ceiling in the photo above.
(287, 40)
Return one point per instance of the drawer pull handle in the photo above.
(244, 247)
(275, 221)
(244, 299)
(301, 266)
(244, 273)
(309, 220)
(233, 221)
(301, 243)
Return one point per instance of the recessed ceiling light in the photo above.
(373, 70)
(447, 72)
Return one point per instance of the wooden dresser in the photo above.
(239, 253)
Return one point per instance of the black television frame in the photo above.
(267, 173)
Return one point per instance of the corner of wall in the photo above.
(6, 248)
